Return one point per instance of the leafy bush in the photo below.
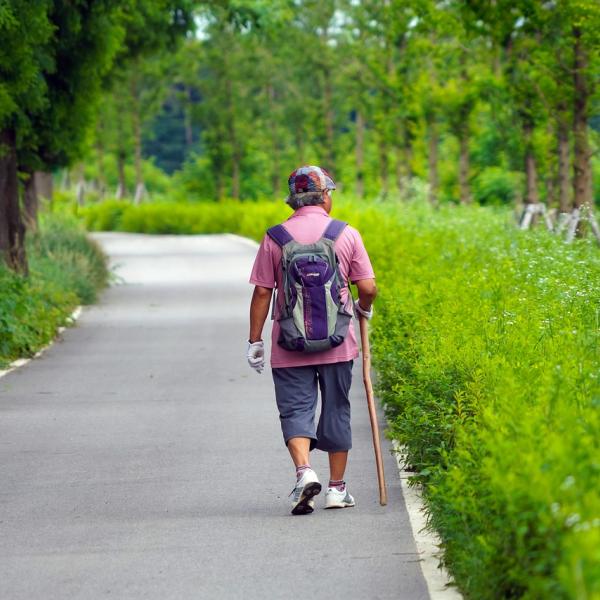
(486, 345)
(246, 218)
(66, 269)
(495, 185)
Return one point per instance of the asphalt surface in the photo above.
(140, 457)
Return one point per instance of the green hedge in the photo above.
(66, 269)
(247, 218)
(486, 347)
(488, 357)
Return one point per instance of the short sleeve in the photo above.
(360, 264)
(263, 272)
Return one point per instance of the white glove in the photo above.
(359, 310)
(256, 355)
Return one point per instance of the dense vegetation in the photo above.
(56, 60)
(66, 269)
(487, 350)
(493, 102)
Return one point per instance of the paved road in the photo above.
(141, 458)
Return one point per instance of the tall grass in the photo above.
(486, 343)
(66, 269)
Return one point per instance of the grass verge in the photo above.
(66, 269)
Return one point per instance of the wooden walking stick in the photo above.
(366, 361)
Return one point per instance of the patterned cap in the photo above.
(310, 179)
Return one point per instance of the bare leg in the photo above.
(299, 448)
(337, 465)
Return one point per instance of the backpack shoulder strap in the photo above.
(334, 229)
(280, 235)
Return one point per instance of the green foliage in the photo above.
(156, 180)
(66, 269)
(25, 30)
(370, 90)
(79, 60)
(171, 217)
(496, 186)
(63, 252)
(486, 344)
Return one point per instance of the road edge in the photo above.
(239, 238)
(21, 362)
(437, 578)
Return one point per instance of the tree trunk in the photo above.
(44, 185)
(432, 161)
(564, 196)
(140, 193)
(464, 168)
(400, 156)
(407, 145)
(328, 114)
(31, 203)
(360, 154)
(463, 136)
(235, 178)
(187, 118)
(531, 187)
(66, 179)
(219, 185)
(384, 167)
(551, 176)
(582, 176)
(403, 158)
(275, 146)
(122, 185)
(100, 159)
(329, 122)
(81, 186)
(300, 147)
(12, 228)
(233, 141)
(140, 188)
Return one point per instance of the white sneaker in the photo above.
(306, 488)
(336, 499)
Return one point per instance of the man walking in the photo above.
(310, 259)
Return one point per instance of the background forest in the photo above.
(486, 101)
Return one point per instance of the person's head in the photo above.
(310, 186)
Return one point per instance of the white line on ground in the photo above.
(428, 543)
(20, 362)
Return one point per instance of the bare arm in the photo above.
(259, 309)
(367, 292)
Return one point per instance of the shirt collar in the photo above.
(309, 210)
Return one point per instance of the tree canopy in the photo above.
(55, 60)
(476, 100)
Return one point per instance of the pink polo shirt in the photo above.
(306, 226)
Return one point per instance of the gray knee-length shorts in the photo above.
(296, 392)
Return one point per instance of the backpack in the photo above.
(312, 317)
